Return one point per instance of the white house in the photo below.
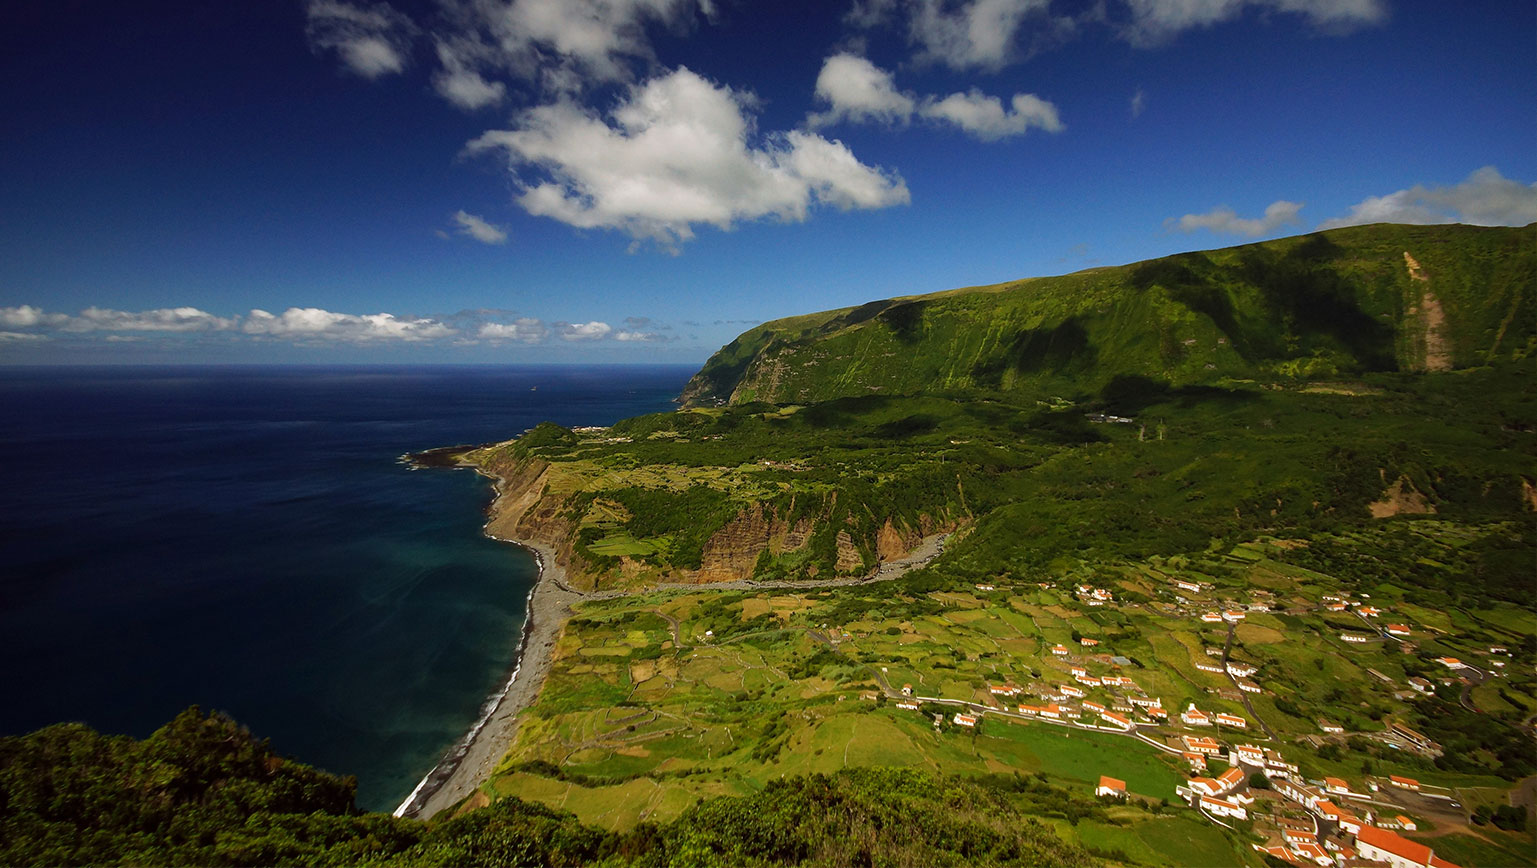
(965, 719)
(1380, 845)
(1232, 720)
(1109, 786)
(1223, 808)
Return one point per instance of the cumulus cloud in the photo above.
(478, 229)
(973, 34)
(1225, 221)
(584, 331)
(313, 323)
(526, 330)
(565, 45)
(987, 119)
(1157, 21)
(857, 90)
(372, 40)
(173, 319)
(1484, 198)
(677, 151)
(991, 34)
(26, 316)
(458, 79)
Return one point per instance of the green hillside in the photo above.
(1346, 301)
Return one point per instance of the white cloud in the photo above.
(459, 81)
(1484, 198)
(27, 316)
(312, 323)
(857, 90)
(986, 118)
(1157, 21)
(20, 337)
(1138, 103)
(981, 33)
(525, 329)
(638, 336)
(1225, 221)
(585, 331)
(372, 40)
(676, 152)
(173, 319)
(478, 229)
(562, 45)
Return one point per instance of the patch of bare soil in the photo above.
(1438, 356)
(1401, 498)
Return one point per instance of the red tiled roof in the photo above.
(1396, 844)
(1112, 783)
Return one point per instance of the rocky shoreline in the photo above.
(469, 763)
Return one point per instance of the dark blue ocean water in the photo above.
(244, 539)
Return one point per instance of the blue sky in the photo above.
(533, 181)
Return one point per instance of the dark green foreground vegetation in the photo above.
(203, 791)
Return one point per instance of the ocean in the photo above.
(245, 539)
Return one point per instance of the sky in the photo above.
(639, 181)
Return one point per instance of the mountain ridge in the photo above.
(1382, 297)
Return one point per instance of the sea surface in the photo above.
(245, 539)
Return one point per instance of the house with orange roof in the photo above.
(1193, 716)
(1223, 807)
(1087, 642)
(1451, 663)
(1313, 853)
(1201, 745)
(1059, 650)
(1114, 719)
(1337, 786)
(965, 719)
(1230, 779)
(1069, 690)
(1197, 761)
(1109, 786)
(1398, 630)
(1232, 720)
(1404, 783)
(1211, 618)
(1380, 845)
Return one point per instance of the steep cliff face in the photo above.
(534, 505)
(732, 552)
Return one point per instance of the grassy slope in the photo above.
(1334, 302)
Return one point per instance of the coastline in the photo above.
(469, 763)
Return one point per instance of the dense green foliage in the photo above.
(1334, 303)
(202, 791)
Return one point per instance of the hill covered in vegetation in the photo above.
(203, 791)
(1341, 302)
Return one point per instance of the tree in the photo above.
(1258, 781)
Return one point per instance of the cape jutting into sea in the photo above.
(247, 540)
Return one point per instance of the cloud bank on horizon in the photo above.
(26, 323)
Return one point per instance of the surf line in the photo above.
(445, 768)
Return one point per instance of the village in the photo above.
(1330, 821)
